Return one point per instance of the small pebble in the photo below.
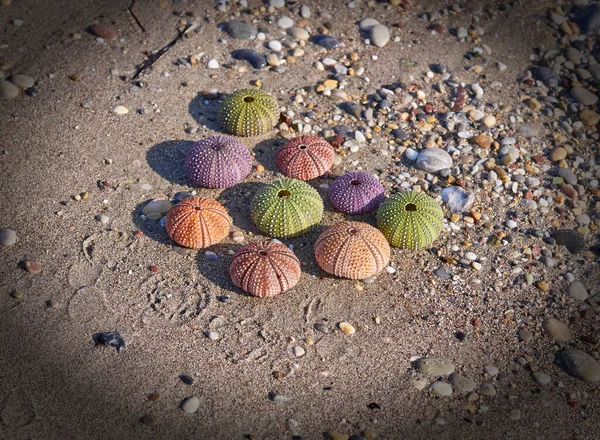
(213, 336)
(22, 81)
(577, 291)
(190, 405)
(541, 378)
(487, 389)
(103, 218)
(8, 237)
(8, 90)
(442, 389)
(380, 35)
(32, 266)
(581, 365)
(435, 366)
(104, 31)
(347, 327)
(121, 110)
(213, 64)
(557, 330)
(298, 351)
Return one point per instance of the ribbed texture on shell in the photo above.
(305, 157)
(198, 222)
(352, 250)
(265, 268)
(356, 193)
(288, 216)
(410, 229)
(249, 112)
(218, 162)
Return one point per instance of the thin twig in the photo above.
(153, 58)
(138, 22)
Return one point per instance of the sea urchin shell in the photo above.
(410, 220)
(352, 250)
(218, 162)
(198, 222)
(356, 193)
(249, 112)
(305, 157)
(265, 268)
(286, 208)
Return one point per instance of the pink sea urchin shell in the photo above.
(305, 157)
(356, 193)
(265, 268)
(218, 162)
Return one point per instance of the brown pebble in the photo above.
(32, 266)
(558, 154)
(482, 140)
(279, 374)
(569, 191)
(104, 31)
(154, 397)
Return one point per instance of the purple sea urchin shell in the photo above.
(356, 193)
(218, 162)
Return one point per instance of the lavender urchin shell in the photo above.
(265, 268)
(218, 162)
(286, 208)
(352, 250)
(249, 112)
(198, 222)
(305, 157)
(410, 219)
(356, 193)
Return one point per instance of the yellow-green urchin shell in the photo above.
(286, 208)
(249, 112)
(410, 220)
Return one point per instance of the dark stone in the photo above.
(326, 41)
(188, 380)
(110, 339)
(254, 59)
(351, 108)
(546, 75)
(240, 30)
(441, 272)
(321, 327)
(572, 240)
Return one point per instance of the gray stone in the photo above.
(22, 81)
(577, 291)
(546, 76)
(326, 41)
(458, 199)
(584, 96)
(103, 218)
(305, 11)
(298, 33)
(442, 389)
(594, 69)
(8, 237)
(435, 366)
(433, 160)
(567, 175)
(277, 3)
(573, 55)
(285, 22)
(490, 370)
(8, 90)
(524, 335)
(254, 59)
(190, 405)
(156, 206)
(487, 389)
(380, 35)
(461, 32)
(240, 30)
(583, 219)
(549, 262)
(461, 384)
(557, 330)
(367, 24)
(541, 378)
(581, 365)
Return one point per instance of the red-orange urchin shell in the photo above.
(198, 222)
(265, 268)
(305, 157)
(352, 250)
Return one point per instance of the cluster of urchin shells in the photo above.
(290, 207)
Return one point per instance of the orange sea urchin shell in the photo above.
(352, 250)
(265, 268)
(198, 222)
(305, 157)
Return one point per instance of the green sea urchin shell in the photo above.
(410, 220)
(286, 208)
(249, 112)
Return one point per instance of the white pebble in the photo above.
(121, 110)
(274, 45)
(213, 64)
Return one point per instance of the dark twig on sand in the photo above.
(153, 58)
(138, 22)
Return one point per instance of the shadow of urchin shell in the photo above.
(305, 157)
(352, 250)
(249, 112)
(218, 162)
(410, 220)
(286, 208)
(356, 193)
(265, 268)
(198, 222)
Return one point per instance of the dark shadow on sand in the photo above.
(168, 159)
(206, 111)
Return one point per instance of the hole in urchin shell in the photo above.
(411, 207)
(197, 208)
(283, 193)
(352, 231)
(248, 99)
(263, 253)
(302, 147)
(354, 182)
